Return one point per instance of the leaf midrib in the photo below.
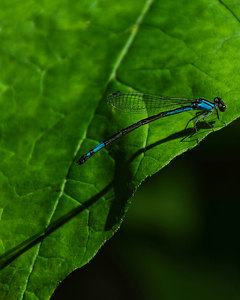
(112, 76)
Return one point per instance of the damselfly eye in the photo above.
(222, 107)
(217, 100)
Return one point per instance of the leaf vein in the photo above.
(228, 8)
(132, 36)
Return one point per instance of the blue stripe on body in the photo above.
(205, 105)
(179, 110)
(98, 147)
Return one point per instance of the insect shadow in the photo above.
(16, 251)
(124, 174)
(186, 135)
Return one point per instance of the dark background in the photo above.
(180, 238)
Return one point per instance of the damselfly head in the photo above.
(220, 104)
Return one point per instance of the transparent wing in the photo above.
(139, 102)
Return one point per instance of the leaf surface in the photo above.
(58, 61)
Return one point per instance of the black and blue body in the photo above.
(138, 102)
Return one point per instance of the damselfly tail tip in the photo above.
(81, 161)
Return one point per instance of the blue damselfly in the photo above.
(137, 102)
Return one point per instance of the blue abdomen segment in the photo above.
(205, 105)
(179, 110)
(98, 147)
(90, 153)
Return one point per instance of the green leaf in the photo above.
(58, 61)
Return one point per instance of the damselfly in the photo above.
(137, 102)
